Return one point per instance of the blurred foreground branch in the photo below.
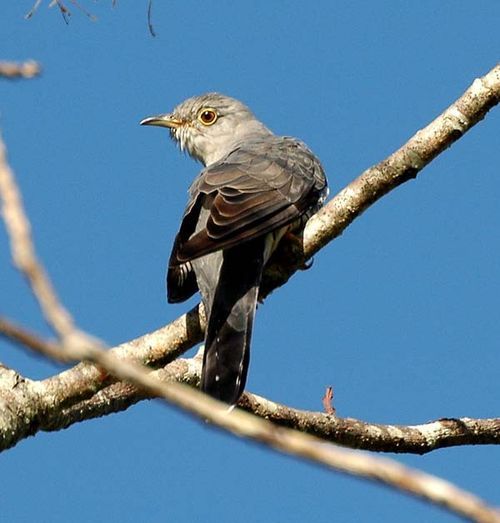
(13, 70)
(25, 259)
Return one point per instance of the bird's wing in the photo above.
(257, 188)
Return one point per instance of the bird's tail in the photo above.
(229, 329)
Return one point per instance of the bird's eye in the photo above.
(207, 116)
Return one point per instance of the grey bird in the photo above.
(255, 187)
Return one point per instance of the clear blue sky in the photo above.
(400, 314)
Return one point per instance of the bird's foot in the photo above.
(296, 246)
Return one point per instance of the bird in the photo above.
(255, 188)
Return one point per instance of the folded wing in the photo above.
(252, 191)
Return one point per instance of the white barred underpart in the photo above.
(184, 270)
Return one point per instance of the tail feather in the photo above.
(229, 329)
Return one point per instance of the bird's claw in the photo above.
(306, 265)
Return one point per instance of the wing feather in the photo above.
(258, 187)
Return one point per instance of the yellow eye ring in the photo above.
(207, 116)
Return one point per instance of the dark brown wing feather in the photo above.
(257, 188)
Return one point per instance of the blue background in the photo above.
(400, 314)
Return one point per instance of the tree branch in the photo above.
(23, 337)
(75, 402)
(401, 166)
(357, 434)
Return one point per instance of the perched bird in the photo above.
(254, 188)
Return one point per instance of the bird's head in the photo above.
(210, 126)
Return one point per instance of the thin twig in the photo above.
(31, 12)
(150, 19)
(65, 12)
(88, 14)
(328, 401)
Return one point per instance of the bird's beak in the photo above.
(162, 120)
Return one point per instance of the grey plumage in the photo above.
(255, 187)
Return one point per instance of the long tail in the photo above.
(229, 329)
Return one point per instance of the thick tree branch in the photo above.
(67, 408)
(401, 166)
